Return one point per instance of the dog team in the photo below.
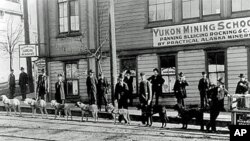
(211, 96)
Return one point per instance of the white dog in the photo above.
(11, 104)
(88, 109)
(37, 104)
(61, 107)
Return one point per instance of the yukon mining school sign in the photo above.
(224, 30)
(28, 50)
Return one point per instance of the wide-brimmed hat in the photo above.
(121, 75)
(181, 74)
(220, 80)
(21, 68)
(203, 73)
(241, 75)
(128, 72)
(91, 71)
(155, 69)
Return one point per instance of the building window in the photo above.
(216, 66)
(160, 10)
(211, 7)
(190, 8)
(68, 15)
(71, 70)
(168, 72)
(130, 64)
(240, 5)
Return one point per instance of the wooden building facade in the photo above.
(188, 36)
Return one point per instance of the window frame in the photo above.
(176, 69)
(69, 32)
(200, 10)
(213, 13)
(71, 79)
(157, 21)
(234, 12)
(224, 51)
(136, 72)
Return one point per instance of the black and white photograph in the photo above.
(124, 70)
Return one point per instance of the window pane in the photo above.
(236, 5)
(168, 72)
(160, 12)
(215, 6)
(168, 84)
(207, 6)
(68, 71)
(152, 13)
(194, 8)
(75, 87)
(245, 5)
(65, 24)
(186, 9)
(69, 87)
(74, 71)
(213, 77)
(168, 11)
(72, 8)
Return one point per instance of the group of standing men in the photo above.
(23, 81)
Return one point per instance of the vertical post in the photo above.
(113, 62)
(27, 41)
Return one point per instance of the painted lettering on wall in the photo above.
(224, 30)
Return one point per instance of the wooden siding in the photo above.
(54, 69)
(60, 46)
(192, 63)
(83, 68)
(130, 21)
(236, 64)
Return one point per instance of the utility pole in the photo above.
(113, 62)
(27, 41)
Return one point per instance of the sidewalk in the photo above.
(223, 120)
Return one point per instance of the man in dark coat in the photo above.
(60, 87)
(91, 88)
(145, 96)
(12, 84)
(203, 87)
(102, 91)
(242, 88)
(216, 98)
(42, 85)
(23, 81)
(157, 81)
(180, 89)
(129, 81)
(121, 93)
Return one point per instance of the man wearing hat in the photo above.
(42, 85)
(102, 91)
(129, 80)
(12, 84)
(242, 88)
(91, 87)
(203, 87)
(180, 89)
(157, 81)
(145, 96)
(217, 103)
(23, 81)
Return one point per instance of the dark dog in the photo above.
(187, 114)
(149, 111)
